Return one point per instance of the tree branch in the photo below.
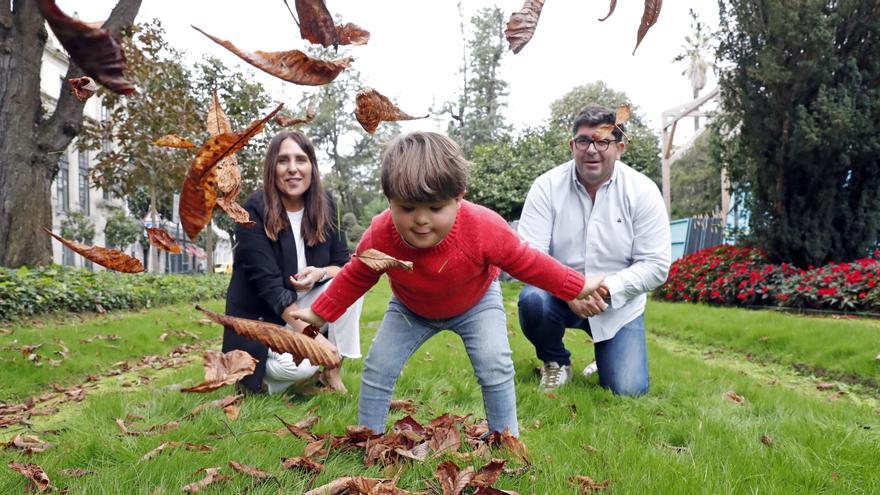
(66, 121)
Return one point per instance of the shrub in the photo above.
(50, 289)
(729, 275)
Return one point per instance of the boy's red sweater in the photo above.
(451, 277)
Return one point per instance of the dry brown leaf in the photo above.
(335, 487)
(279, 338)
(379, 261)
(292, 66)
(199, 193)
(212, 475)
(316, 23)
(303, 463)
(352, 34)
(236, 212)
(403, 405)
(508, 441)
(734, 397)
(250, 470)
(163, 240)
(34, 473)
(453, 480)
(603, 131)
(189, 446)
(217, 122)
(112, 259)
(94, 50)
(623, 114)
(285, 121)
(487, 475)
(649, 18)
(160, 428)
(825, 386)
(28, 443)
(522, 24)
(767, 440)
(610, 10)
(588, 485)
(82, 87)
(219, 403)
(224, 369)
(374, 107)
(173, 141)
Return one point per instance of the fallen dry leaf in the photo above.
(249, 470)
(189, 446)
(112, 259)
(29, 444)
(734, 397)
(94, 50)
(199, 193)
(173, 141)
(34, 473)
(826, 386)
(163, 240)
(303, 463)
(352, 34)
(379, 261)
(279, 338)
(453, 480)
(610, 10)
(586, 484)
(212, 475)
(224, 369)
(767, 440)
(522, 24)
(649, 18)
(285, 121)
(222, 403)
(507, 440)
(292, 66)
(374, 107)
(82, 87)
(403, 405)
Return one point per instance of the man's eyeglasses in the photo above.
(583, 143)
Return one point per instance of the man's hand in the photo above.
(308, 316)
(307, 278)
(591, 284)
(592, 305)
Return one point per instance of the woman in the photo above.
(285, 261)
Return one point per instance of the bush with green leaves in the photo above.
(52, 289)
(78, 227)
(121, 230)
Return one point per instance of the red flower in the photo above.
(827, 291)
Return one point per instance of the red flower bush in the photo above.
(737, 276)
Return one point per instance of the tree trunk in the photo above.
(209, 248)
(154, 223)
(30, 145)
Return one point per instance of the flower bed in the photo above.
(737, 276)
(34, 291)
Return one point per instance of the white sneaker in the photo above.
(554, 376)
(590, 369)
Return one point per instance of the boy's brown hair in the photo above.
(423, 167)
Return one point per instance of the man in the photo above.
(598, 216)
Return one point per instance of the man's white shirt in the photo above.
(623, 235)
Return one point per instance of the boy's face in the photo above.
(424, 225)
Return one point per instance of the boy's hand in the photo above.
(591, 284)
(308, 316)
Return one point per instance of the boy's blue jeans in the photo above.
(483, 329)
(622, 360)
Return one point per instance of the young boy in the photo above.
(456, 248)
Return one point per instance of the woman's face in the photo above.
(293, 174)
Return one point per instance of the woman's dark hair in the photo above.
(316, 218)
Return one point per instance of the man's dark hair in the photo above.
(593, 115)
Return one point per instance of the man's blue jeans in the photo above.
(622, 360)
(483, 329)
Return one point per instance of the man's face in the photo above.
(424, 225)
(594, 162)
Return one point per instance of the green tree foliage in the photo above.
(802, 97)
(121, 230)
(353, 230)
(477, 115)
(642, 146)
(696, 180)
(78, 227)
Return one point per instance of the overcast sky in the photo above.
(414, 53)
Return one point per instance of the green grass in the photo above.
(683, 437)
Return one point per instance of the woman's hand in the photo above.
(307, 278)
(308, 316)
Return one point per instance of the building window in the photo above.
(66, 256)
(62, 183)
(105, 193)
(84, 183)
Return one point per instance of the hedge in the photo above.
(738, 276)
(50, 289)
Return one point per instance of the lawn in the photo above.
(683, 437)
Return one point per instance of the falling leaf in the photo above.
(285, 121)
(522, 24)
(236, 212)
(352, 34)
(217, 122)
(212, 475)
(278, 338)
(28, 443)
(199, 193)
(302, 463)
(112, 259)
(825, 386)
(316, 23)
(767, 440)
(94, 50)
(404, 405)
(734, 397)
(173, 141)
(623, 114)
(224, 369)
(82, 87)
(649, 18)
(374, 107)
(610, 10)
(249, 470)
(603, 131)
(163, 240)
(589, 485)
(34, 473)
(292, 66)
(379, 261)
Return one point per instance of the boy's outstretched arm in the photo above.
(308, 316)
